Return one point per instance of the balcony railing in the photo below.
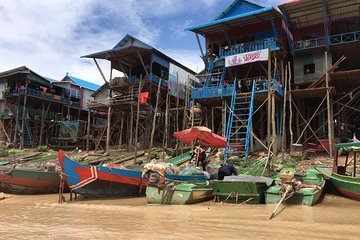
(212, 92)
(42, 95)
(249, 47)
(333, 40)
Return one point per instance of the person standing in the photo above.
(200, 156)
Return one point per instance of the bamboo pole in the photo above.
(88, 130)
(23, 117)
(269, 97)
(137, 120)
(16, 123)
(121, 131)
(290, 109)
(167, 115)
(154, 120)
(284, 116)
(108, 130)
(329, 106)
(131, 121)
(273, 116)
(42, 124)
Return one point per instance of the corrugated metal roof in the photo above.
(82, 83)
(311, 12)
(245, 18)
(238, 7)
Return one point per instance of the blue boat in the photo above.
(105, 182)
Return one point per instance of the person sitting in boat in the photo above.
(200, 156)
(226, 170)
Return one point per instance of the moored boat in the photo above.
(249, 189)
(307, 193)
(179, 193)
(29, 181)
(344, 179)
(101, 181)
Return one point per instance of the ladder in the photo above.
(215, 75)
(239, 124)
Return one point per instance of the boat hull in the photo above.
(184, 193)
(346, 185)
(305, 196)
(239, 191)
(19, 181)
(99, 181)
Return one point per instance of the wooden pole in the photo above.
(23, 117)
(137, 120)
(42, 124)
(167, 115)
(108, 129)
(329, 106)
(154, 120)
(269, 97)
(101, 72)
(88, 130)
(121, 131)
(290, 108)
(273, 117)
(131, 121)
(284, 116)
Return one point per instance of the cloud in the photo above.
(188, 58)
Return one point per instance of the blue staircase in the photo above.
(239, 124)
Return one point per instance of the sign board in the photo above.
(248, 57)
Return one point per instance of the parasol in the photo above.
(205, 136)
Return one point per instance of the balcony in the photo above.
(275, 86)
(249, 47)
(42, 95)
(212, 92)
(333, 40)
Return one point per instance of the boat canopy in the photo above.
(348, 147)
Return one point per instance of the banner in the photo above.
(244, 58)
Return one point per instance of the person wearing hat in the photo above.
(200, 157)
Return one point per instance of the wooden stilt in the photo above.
(290, 108)
(137, 120)
(269, 98)
(329, 107)
(88, 130)
(108, 130)
(42, 124)
(283, 142)
(23, 117)
(154, 120)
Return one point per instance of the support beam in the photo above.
(101, 72)
(200, 47)
(23, 116)
(137, 120)
(88, 131)
(143, 64)
(326, 25)
(269, 97)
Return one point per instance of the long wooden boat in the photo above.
(306, 195)
(345, 180)
(100, 181)
(236, 189)
(29, 181)
(179, 193)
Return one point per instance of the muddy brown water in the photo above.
(41, 217)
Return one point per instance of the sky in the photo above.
(49, 37)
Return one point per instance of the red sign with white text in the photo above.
(244, 58)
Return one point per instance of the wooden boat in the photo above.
(179, 193)
(29, 181)
(345, 181)
(249, 189)
(309, 194)
(100, 181)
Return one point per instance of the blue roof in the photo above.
(227, 19)
(82, 83)
(238, 7)
(51, 79)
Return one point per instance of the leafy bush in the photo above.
(4, 151)
(43, 148)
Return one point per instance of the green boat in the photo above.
(244, 189)
(179, 193)
(345, 180)
(307, 195)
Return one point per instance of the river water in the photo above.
(41, 217)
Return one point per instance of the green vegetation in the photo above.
(4, 151)
(43, 148)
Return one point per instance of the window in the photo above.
(309, 68)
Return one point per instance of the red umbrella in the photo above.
(204, 134)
